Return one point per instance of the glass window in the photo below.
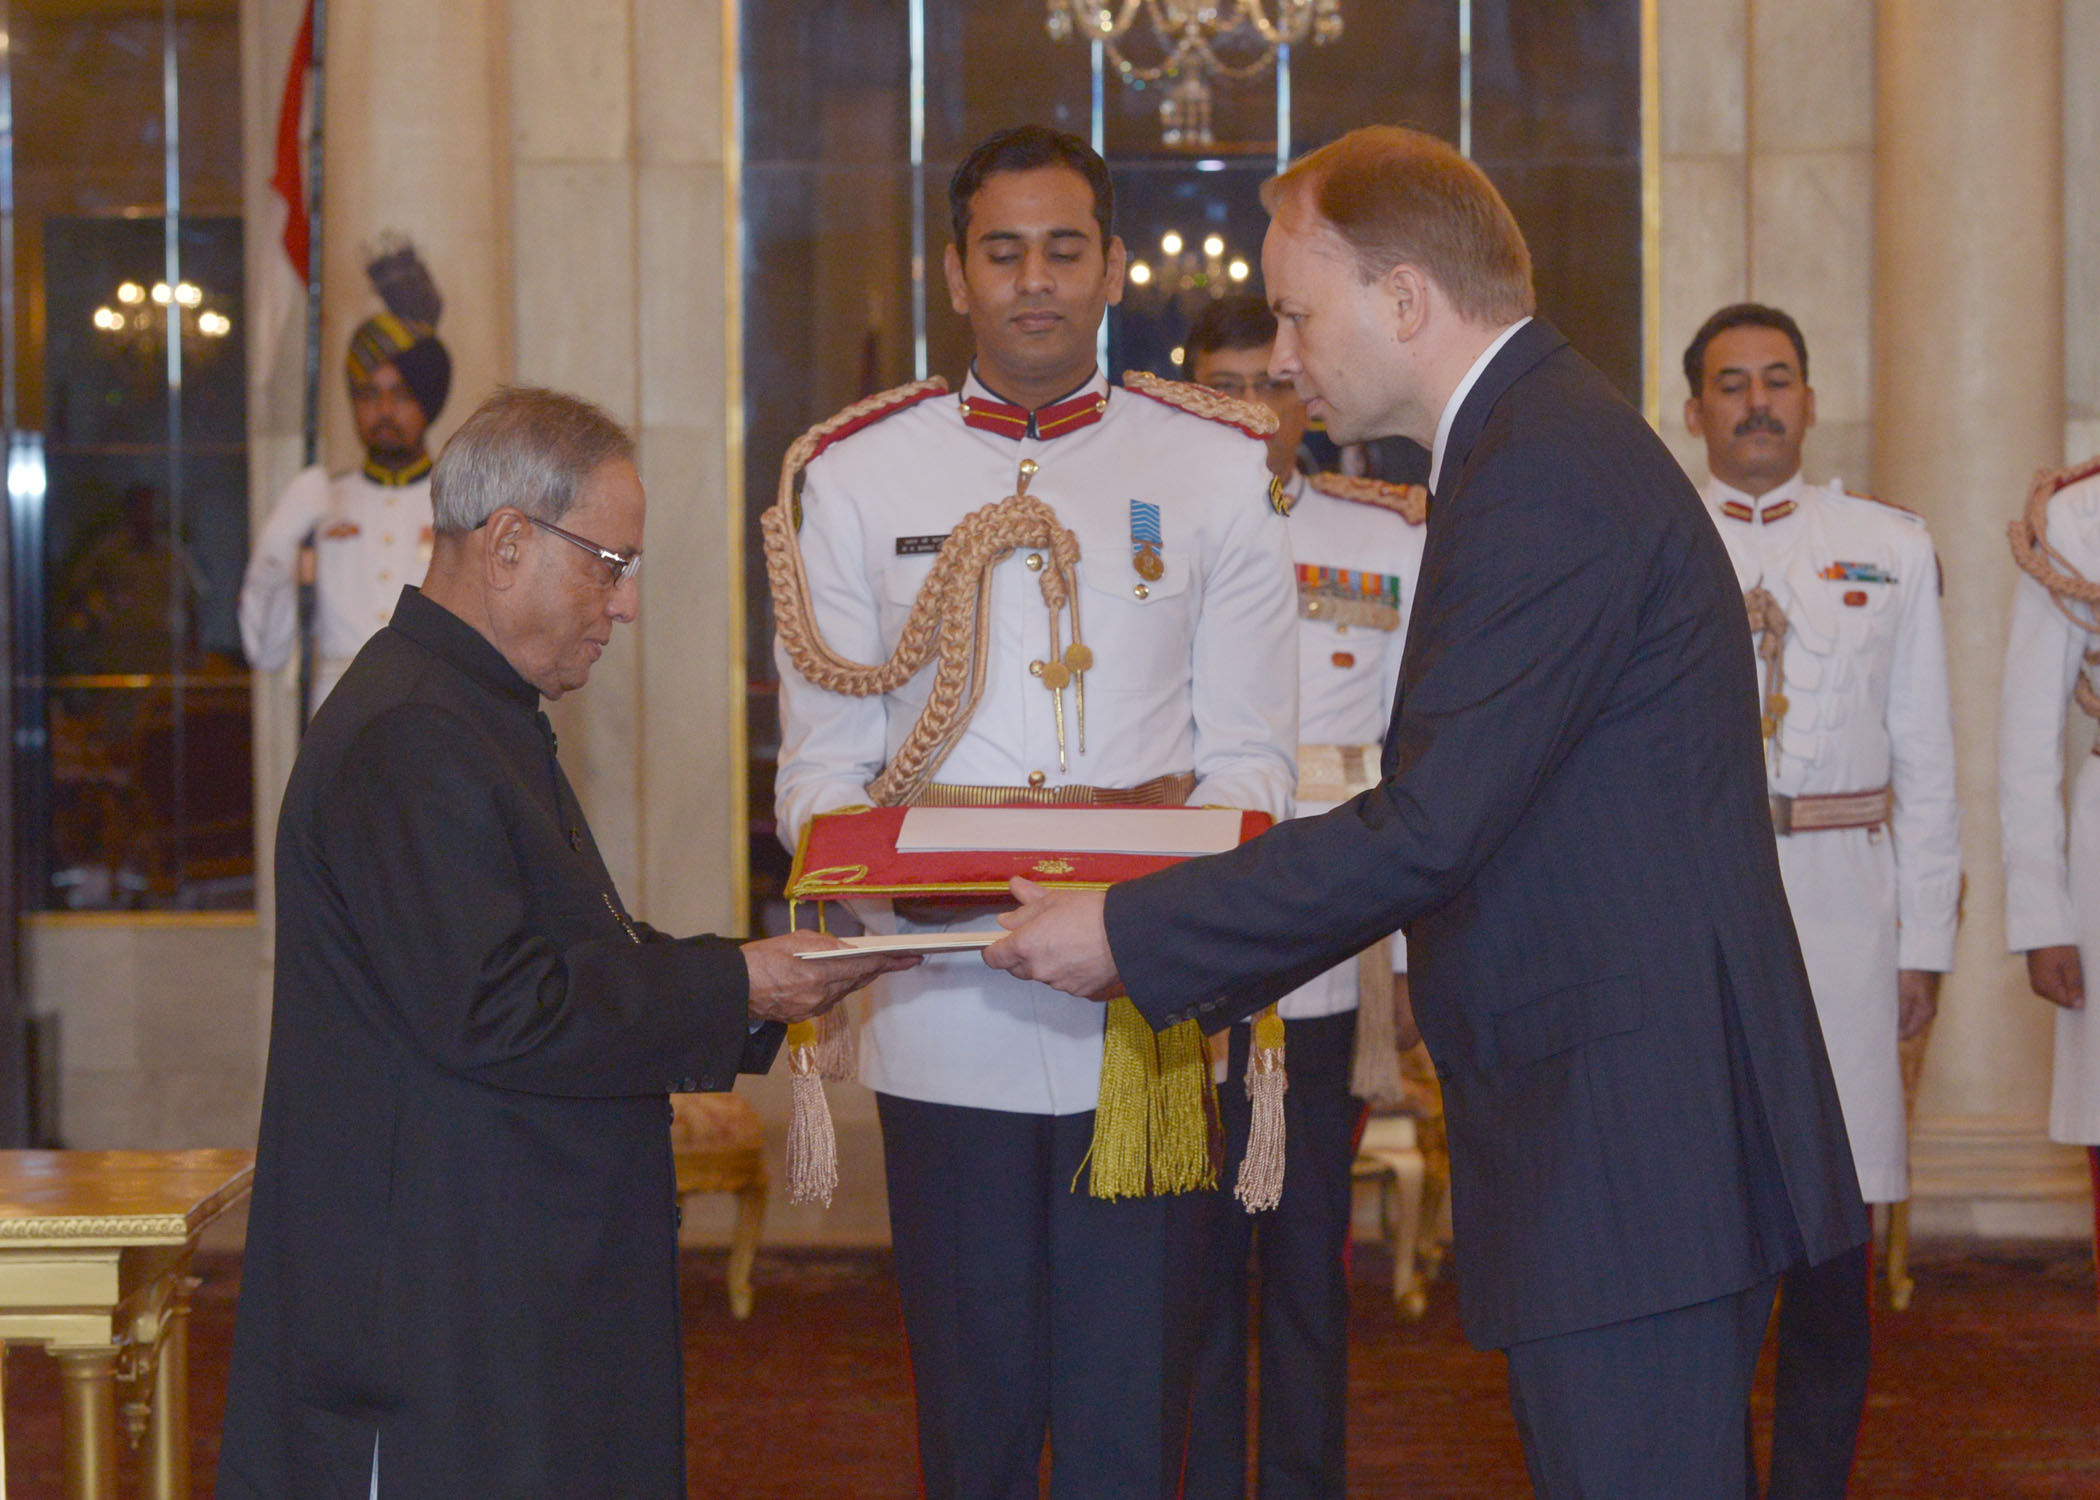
(127, 473)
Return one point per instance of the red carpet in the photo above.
(1988, 1389)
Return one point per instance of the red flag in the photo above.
(289, 180)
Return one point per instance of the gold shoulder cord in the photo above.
(2075, 595)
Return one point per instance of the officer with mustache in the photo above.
(357, 537)
(1843, 594)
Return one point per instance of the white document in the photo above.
(907, 942)
(1182, 832)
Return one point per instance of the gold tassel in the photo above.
(1374, 1072)
(838, 1058)
(1261, 1171)
(1123, 1118)
(1181, 1111)
(812, 1145)
(1152, 1127)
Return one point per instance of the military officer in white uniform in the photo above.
(1357, 544)
(1844, 596)
(1033, 1308)
(2052, 875)
(370, 530)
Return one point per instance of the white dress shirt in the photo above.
(1458, 399)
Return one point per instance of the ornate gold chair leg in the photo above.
(90, 1423)
(743, 1245)
(1900, 1283)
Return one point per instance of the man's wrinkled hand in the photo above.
(1058, 938)
(1917, 1001)
(2057, 976)
(787, 988)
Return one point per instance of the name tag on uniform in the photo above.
(341, 530)
(919, 546)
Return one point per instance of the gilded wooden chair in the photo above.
(719, 1146)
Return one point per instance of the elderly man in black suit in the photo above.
(461, 1273)
(1572, 829)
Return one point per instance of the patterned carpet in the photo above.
(1988, 1389)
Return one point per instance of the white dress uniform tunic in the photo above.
(369, 539)
(1865, 679)
(1347, 674)
(1193, 671)
(2050, 899)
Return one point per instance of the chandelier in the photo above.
(1193, 44)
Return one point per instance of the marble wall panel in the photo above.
(678, 65)
(1705, 255)
(1703, 46)
(681, 285)
(2081, 177)
(569, 81)
(692, 790)
(1811, 75)
(1811, 253)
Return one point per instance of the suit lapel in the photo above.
(1527, 348)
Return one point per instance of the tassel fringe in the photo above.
(1260, 1184)
(812, 1144)
(838, 1054)
(1153, 1126)
(1182, 1106)
(1374, 1072)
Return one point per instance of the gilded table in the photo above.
(95, 1251)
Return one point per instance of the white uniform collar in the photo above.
(1730, 504)
(1458, 399)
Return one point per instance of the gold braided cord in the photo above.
(950, 620)
(1202, 401)
(2076, 597)
(1768, 626)
(1408, 501)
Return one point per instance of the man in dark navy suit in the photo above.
(1573, 830)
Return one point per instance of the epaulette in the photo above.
(1200, 401)
(865, 412)
(1902, 510)
(1408, 501)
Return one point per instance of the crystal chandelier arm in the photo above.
(1095, 22)
(1294, 20)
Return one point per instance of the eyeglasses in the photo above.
(1257, 390)
(624, 565)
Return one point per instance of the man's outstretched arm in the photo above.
(1529, 623)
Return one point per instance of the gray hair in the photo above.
(525, 446)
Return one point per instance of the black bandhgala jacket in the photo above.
(463, 1235)
(1575, 834)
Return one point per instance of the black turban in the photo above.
(413, 349)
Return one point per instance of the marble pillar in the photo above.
(1968, 402)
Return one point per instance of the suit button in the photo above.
(1036, 778)
(1035, 562)
(689, 1086)
(576, 839)
(1142, 592)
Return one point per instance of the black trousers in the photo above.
(1654, 1408)
(1034, 1310)
(1819, 1393)
(1304, 1293)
